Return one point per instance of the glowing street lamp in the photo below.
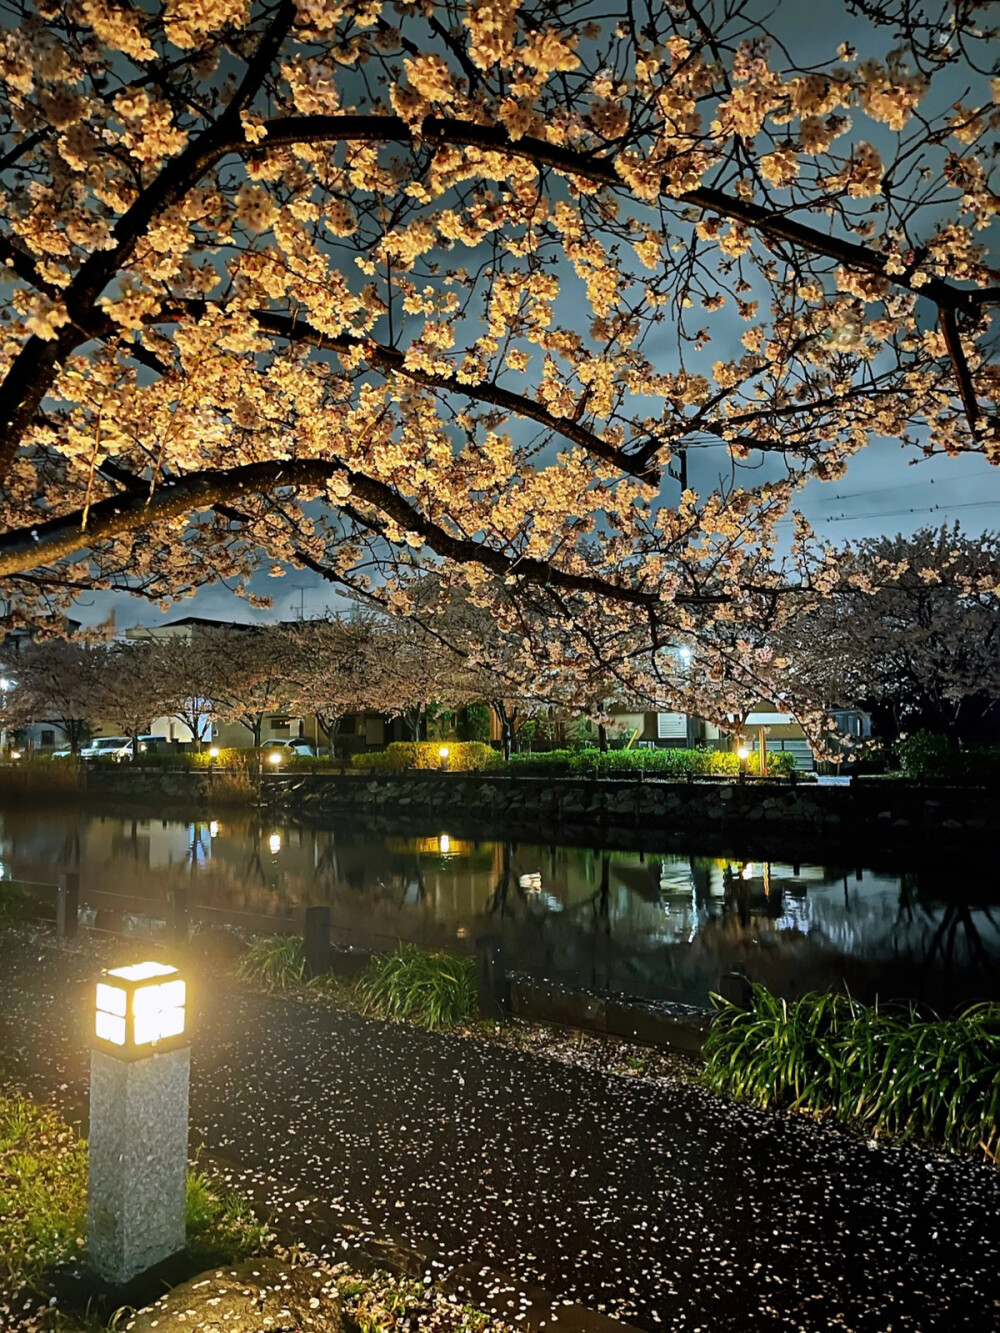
(274, 844)
(139, 1078)
(443, 753)
(274, 757)
(213, 752)
(743, 754)
(138, 1007)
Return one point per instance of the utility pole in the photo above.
(300, 588)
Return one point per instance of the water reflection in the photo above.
(661, 925)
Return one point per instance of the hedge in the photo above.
(462, 756)
(679, 763)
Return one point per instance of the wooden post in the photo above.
(735, 987)
(316, 941)
(494, 997)
(68, 905)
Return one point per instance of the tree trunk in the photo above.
(500, 708)
(602, 738)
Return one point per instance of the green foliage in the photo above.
(43, 1191)
(927, 756)
(221, 1224)
(274, 962)
(43, 1200)
(891, 1074)
(671, 763)
(474, 723)
(13, 903)
(435, 990)
(463, 756)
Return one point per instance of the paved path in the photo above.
(661, 1205)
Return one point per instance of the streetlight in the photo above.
(274, 844)
(274, 757)
(139, 1077)
(743, 754)
(443, 753)
(213, 752)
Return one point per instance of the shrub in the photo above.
(474, 723)
(926, 755)
(670, 762)
(274, 962)
(463, 756)
(13, 903)
(435, 990)
(888, 1073)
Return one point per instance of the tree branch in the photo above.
(116, 515)
(289, 130)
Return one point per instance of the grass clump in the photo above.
(221, 1224)
(434, 990)
(385, 1304)
(43, 1191)
(13, 904)
(43, 1201)
(888, 1073)
(275, 962)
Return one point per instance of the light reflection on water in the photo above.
(654, 925)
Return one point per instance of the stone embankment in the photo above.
(874, 807)
(627, 810)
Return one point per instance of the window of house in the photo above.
(279, 724)
(48, 738)
(671, 727)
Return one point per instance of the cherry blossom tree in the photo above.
(133, 688)
(375, 290)
(248, 672)
(338, 671)
(922, 651)
(57, 681)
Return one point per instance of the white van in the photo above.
(107, 747)
(116, 747)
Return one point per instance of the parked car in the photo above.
(299, 749)
(107, 747)
(116, 747)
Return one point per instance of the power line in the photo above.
(908, 486)
(894, 513)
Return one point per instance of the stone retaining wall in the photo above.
(629, 811)
(628, 804)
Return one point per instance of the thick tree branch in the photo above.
(58, 538)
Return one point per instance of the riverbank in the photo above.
(869, 811)
(655, 1201)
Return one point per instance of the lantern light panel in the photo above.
(140, 1005)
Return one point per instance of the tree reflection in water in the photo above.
(655, 923)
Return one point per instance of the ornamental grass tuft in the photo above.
(276, 962)
(888, 1072)
(434, 990)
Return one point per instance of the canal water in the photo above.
(655, 926)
